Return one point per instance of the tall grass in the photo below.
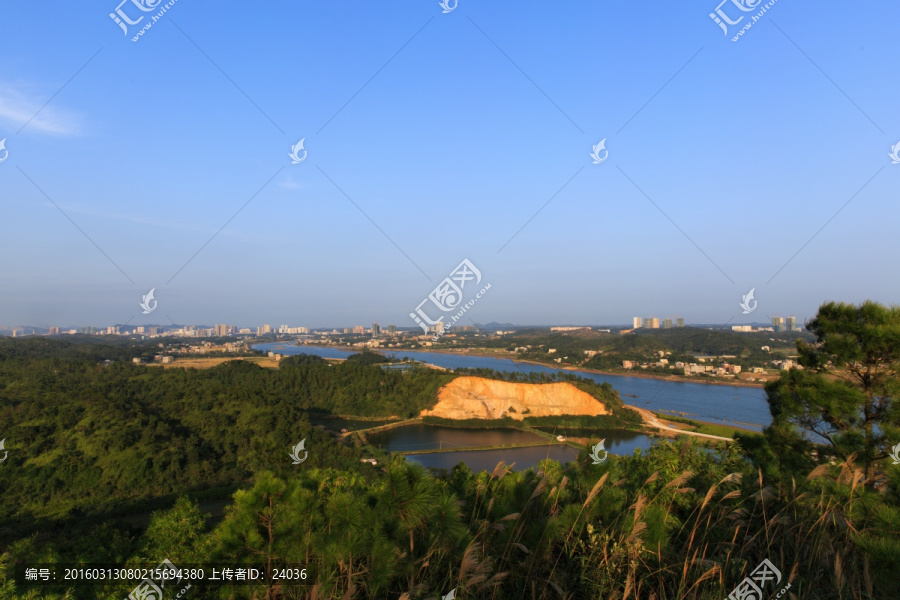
(679, 522)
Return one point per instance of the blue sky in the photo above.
(448, 133)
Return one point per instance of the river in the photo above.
(724, 404)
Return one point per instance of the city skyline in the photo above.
(224, 329)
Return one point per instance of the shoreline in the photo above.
(639, 375)
(672, 378)
(652, 425)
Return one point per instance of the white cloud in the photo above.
(19, 106)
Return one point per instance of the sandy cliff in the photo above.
(477, 398)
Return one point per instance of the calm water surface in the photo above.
(617, 442)
(428, 437)
(724, 404)
(486, 460)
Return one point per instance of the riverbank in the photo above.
(623, 373)
(639, 375)
(540, 444)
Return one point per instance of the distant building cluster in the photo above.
(693, 368)
(159, 358)
(778, 324)
(569, 328)
(265, 329)
(218, 330)
(653, 323)
(750, 328)
(785, 323)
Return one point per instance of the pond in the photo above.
(428, 437)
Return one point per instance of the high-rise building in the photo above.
(667, 323)
(140, 329)
(679, 322)
(392, 329)
(263, 329)
(358, 330)
(637, 322)
(778, 323)
(790, 324)
(376, 329)
(152, 330)
(221, 330)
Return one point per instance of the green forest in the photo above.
(129, 465)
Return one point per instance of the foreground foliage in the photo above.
(678, 522)
(847, 396)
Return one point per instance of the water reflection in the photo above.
(486, 460)
(426, 437)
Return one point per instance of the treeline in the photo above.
(72, 347)
(644, 344)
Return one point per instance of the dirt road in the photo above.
(651, 420)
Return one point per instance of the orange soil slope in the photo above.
(478, 398)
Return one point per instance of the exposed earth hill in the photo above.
(478, 398)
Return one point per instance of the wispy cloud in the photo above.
(19, 104)
(289, 183)
(81, 209)
(93, 212)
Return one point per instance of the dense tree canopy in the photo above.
(109, 439)
(848, 392)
